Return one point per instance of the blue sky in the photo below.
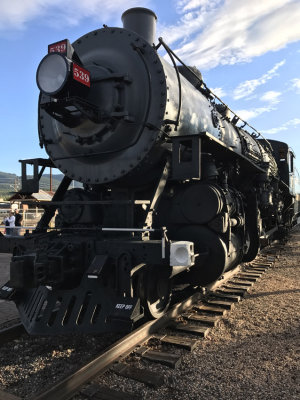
(248, 52)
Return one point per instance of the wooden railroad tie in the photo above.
(152, 379)
(210, 309)
(178, 341)
(225, 296)
(164, 358)
(209, 320)
(100, 392)
(199, 330)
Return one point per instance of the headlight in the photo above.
(53, 73)
(182, 254)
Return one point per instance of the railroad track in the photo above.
(184, 325)
(11, 333)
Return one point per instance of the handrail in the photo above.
(169, 51)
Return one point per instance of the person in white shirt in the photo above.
(10, 223)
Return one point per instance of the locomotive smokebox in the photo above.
(141, 21)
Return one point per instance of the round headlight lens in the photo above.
(52, 73)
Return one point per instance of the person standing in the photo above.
(10, 223)
(6, 223)
(18, 222)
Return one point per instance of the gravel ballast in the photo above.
(252, 354)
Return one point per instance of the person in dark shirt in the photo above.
(18, 221)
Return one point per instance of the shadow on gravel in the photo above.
(273, 293)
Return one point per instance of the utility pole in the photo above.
(50, 179)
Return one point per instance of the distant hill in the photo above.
(10, 183)
(56, 179)
(5, 175)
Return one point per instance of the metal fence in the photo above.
(30, 219)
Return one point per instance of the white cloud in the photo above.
(293, 123)
(187, 5)
(271, 98)
(218, 91)
(246, 115)
(244, 89)
(208, 32)
(231, 31)
(16, 14)
(195, 15)
(296, 85)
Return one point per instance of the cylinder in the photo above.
(141, 21)
(201, 203)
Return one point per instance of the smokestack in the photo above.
(141, 21)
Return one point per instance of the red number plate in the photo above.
(58, 47)
(81, 75)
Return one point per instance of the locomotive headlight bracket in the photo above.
(57, 76)
(67, 84)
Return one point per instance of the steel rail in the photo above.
(69, 386)
(11, 333)
(65, 389)
(8, 396)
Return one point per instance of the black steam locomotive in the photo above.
(173, 190)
